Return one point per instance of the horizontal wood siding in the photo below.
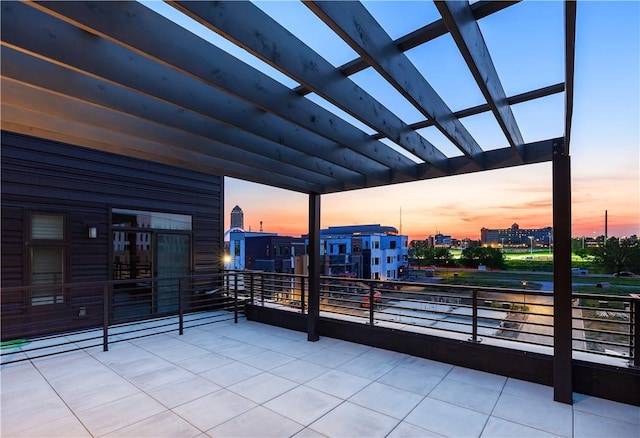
(85, 184)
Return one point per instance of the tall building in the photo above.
(516, 236)
(237, 218)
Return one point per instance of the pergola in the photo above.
(119, 77)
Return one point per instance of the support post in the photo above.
(105, 318)
(474, 316)
(313, 314)
(180, 308)
(562, 312)
(302, 300)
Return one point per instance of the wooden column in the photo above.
(562, 321)
(314, 267)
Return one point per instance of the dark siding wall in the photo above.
(85, 184)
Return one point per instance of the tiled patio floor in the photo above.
(255, 380)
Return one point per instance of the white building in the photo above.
(364, 251)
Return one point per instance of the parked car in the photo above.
(624, 274)
(579, 271)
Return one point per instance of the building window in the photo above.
(376, 244)
(47, 254)
(236, 248)
(389, 259)
(376, 261)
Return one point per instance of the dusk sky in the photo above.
(526, 43)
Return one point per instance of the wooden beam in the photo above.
(358, 28)
(464, 29)
(570, 11)
(272, 43)
(145, 32)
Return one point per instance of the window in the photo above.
(376, 261)
(47, 258)
(236, 248)
(389, 259)
(376, 244)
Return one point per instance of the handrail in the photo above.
(605, 326)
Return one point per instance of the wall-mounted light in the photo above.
(92, 231)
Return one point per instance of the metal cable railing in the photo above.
(99, 313)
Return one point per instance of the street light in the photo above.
(531, 239)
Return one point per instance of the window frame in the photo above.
(32, 243)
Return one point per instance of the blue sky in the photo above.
(526, 44)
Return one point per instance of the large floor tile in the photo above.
(338, 384)
(447, 419)
(594, 426)
(230, 374)
(411, 380)
(257, 422)
(64, 427)
(367, 368)
(329, 358)
(300, 371)
(88, 395)
(524, 389)
(240, 351)
(213, 409)
(426, 366)
(466, 395)
(163, 425)
(205, 362)
(350, 420)
(407, 430)
(303, 404)
(391, 357)
(17, 415)
(607, 408)
(477, 378)
(499, 428)
(547, 415)
(112, 416)
(386, 399)
(159, 377)
(263, 387)
(178, 392)
(268, 360)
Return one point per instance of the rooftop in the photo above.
(251, 379)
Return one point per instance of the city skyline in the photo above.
(604, 137)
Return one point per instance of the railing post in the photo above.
(302, 305)
(251, 291)
(474, 316)
(371, 297)
(635, 329)
(262, 289)
(235, 298)
(105, 319)
(180, 309)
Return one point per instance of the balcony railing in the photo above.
(605, 327)
(98, 314)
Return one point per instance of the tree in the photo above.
(420, 252)
(442, 257)
(490, 257)
(617, 255)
